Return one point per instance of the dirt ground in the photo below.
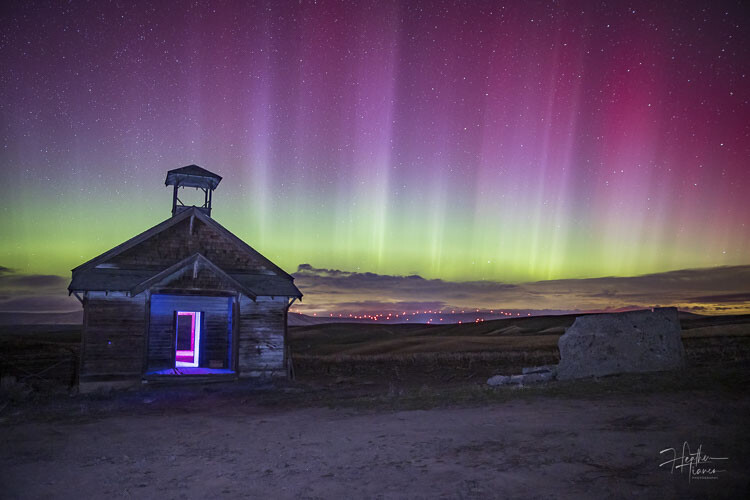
(596, 439)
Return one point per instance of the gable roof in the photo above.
(136, 281)
(190, 212)
(95, 275)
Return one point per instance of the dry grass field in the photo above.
(475, 351)
(527, 333)
(45, 356)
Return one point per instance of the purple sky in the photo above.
(457, 141)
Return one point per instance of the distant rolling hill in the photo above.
(41, 318)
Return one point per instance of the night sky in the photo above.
(457, 141)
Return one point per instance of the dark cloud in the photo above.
(34, 281)
(730, 297)
(344, 291)
(353, 281)
(34, 293)
(670, 288)
(372, 305)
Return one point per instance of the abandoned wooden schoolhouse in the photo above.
(186, 298)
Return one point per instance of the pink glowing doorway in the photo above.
(188, 340)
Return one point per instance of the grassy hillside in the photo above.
(357, 339)
(370, 339)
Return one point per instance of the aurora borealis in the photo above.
(457, 141)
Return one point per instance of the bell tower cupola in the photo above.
(195, 177)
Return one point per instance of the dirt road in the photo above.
(159, 446)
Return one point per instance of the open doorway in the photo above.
(188, 340)
(190, 335)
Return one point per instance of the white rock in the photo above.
(636, 341)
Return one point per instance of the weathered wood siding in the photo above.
(177, 243)
(112, 343)
(215, 329)
(261, 335)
